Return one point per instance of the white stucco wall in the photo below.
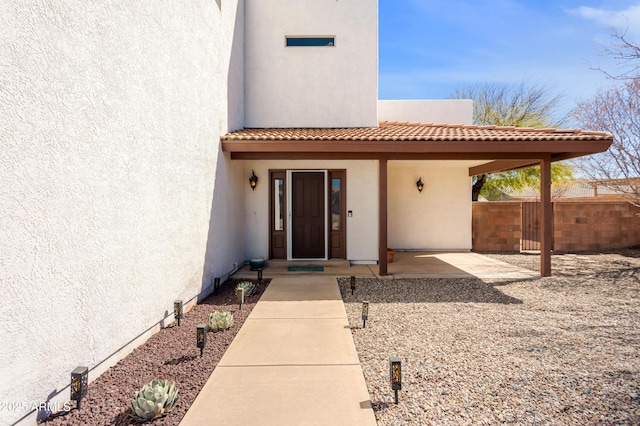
(115, 199)
(449, 111)
(311, 86)
(439, 218)
(362, 200)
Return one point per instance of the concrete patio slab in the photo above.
(408, 264)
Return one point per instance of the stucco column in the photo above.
(546, 218)
(382, 215)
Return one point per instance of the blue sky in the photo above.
(429, 47)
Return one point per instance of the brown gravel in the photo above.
(169, 354)
(561, 350)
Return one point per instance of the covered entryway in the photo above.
(492, 148)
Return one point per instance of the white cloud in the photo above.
(622, 20)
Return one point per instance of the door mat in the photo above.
(310, 268)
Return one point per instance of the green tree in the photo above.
(525, 104)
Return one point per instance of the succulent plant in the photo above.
(248, 286)
(219, 320)
(155, 399)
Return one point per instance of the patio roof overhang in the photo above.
(503, 148)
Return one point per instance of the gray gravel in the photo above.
(558, 350)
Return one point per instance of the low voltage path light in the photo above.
(201, 337)
(365, 313)
(178, 310)
(216, 285)
(240, 295)
(420, 185)
(395, 373)
(353, 284)
(253, 180)
(79, 384)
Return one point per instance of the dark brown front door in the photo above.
(308, 215)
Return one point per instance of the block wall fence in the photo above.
(578, 226)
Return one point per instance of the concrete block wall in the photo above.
(595, 225)
(496, 226)
(578, 226)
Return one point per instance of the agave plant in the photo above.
(219, 320)
(248, 286)
(155, 399)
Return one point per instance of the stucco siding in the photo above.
(311, 86)
(362, 200)
(439, 218)
(449, 111)
(112, 182)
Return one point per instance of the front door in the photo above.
(308, 215)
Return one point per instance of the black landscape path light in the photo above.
(178, 310)
(201, 337)
(79, 384)
(365, 313)
(395, 373)
(240, 295)
(216, 285)
(353, 284)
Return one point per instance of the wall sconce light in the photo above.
(201, 337)
(353, 284)
(395, 373)
(240, 295)
(253, 180)
(79, 384)
(178, 311)
(365, 313)
(420, 185)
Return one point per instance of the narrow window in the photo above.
(310, 41)
(278, 204)
(335, 205)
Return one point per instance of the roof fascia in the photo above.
(518, 153)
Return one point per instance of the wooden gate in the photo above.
(530, 225)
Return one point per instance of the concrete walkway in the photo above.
(293, 362)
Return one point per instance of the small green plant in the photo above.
(248, 286)
(219, 320)
(155, 399)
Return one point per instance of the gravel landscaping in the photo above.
(169, 354)
(558, 350)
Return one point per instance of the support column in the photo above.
(382, 215)
(546, 217)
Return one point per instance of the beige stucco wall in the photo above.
(439, 218)
(311, 86)
(449, 111)
(114, 196)
(362, 200)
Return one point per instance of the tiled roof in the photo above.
(395, 131)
